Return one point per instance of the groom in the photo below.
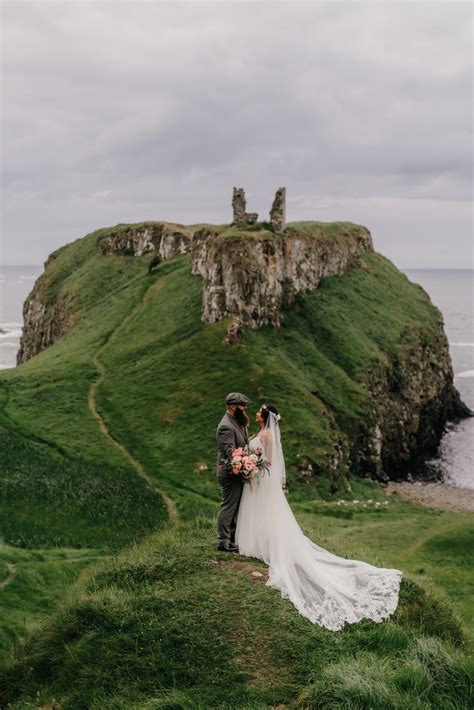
(231, 433)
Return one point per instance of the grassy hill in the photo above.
(170, 623)
(109, 443)
(166, 371)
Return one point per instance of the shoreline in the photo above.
(434, 495)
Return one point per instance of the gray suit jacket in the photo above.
(229, 435)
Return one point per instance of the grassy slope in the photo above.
(168, 371)
(172, 621)
(315, 364)
(32, 582)
(166, 375)
(49, 500)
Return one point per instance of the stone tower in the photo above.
(239, 204)
(278, 210)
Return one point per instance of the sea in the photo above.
(452, 291)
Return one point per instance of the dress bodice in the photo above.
(256, 442)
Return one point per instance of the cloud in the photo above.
(116, 112)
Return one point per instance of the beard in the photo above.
(242, 417)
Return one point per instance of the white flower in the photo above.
(356, 501)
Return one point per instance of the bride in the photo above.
(328, 590)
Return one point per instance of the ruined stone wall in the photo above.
(278, 210)
(239, 206)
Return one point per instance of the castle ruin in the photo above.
(239, 205)
(277, 212)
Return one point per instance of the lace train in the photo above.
(377, 601)
(328, 590)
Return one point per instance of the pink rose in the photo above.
(238, 452)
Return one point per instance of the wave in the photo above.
(465, 373)
(462, 345)
(10, 324)
(9, 345)
(10, 333)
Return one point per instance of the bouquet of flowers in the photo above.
(247, 463)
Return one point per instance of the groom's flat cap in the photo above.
(236, 398)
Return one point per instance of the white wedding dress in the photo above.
(328, 590)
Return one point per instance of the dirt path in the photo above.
(91, 397)
(10, 576)
(435, 495)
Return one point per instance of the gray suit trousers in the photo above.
(232, 487)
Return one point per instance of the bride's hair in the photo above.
(265, 410)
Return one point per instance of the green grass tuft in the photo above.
(427, 675)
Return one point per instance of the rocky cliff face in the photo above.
(411, 399)
(252, 276)
(163, 238)
(43, 323)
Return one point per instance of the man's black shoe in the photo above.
(228, 547)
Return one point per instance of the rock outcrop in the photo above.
(167, 239)
(252, 276)
(411, 399)
(43, 324)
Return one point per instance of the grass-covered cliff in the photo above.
(360, 365)
(108, 434)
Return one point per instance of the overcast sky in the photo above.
(127, 111)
